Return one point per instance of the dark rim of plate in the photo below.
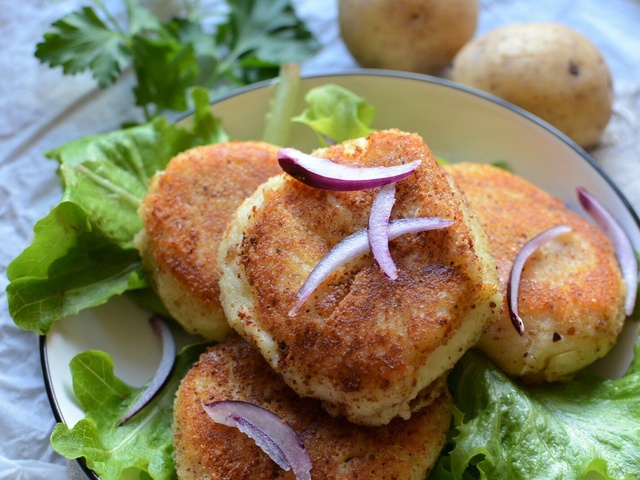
(358, 72)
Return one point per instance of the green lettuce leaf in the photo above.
(206, 128)
(587, 428)
(108, 174)
(83, 253)
(69, 266)
(336, 113)
(143, 443)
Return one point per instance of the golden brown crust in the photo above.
(185, 214)
(362, 343)
(571, 294)
(232, 370)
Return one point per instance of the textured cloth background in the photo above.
(40, 109)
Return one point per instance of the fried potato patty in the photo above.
(185, 213)
(232, 370)
(366, 346)
(571, 295)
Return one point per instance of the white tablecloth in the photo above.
(41, 109)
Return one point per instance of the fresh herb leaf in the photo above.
(564, 431)
(83, 252)
(81, 41)
(165, 70)
(260, 36)
(144, 443)
(169, 58)
(270, 30)
(337, 114)
(140, 19)
(206, 51)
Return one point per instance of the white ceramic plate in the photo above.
(457, 123)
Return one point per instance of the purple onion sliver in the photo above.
(329, 140)
(322, 173)
(379, 227)
(357, 244)
(270, 432)
(620, 241)
(165, 367)
(523, 255)
(351, 247)
(263, 440)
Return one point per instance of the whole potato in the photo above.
(546, 68)
(412, 35)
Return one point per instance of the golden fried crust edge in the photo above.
(232, 370)
(184, 215)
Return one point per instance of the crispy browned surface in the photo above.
(571, 295)
(185, 213)
(339, 450)
(362, 343)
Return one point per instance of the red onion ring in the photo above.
(273, 435)
(379, 228)
(321, 173)
(165, 367)
(523, 255)
(357, 244)
(621, 244)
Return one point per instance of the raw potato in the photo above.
(546, 68)
(412, 35)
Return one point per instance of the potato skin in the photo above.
(411, 35)
(548, 69)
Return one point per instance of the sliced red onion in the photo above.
(167, 361)
(523, 255)
(621, 243)
(379, 228)
(270, 432)
(357, 244)
(321, 173)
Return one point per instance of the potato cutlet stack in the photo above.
(571, 294)
(185, 213)
(369, 348)
(364, 352)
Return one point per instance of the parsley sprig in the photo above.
(250, 42)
